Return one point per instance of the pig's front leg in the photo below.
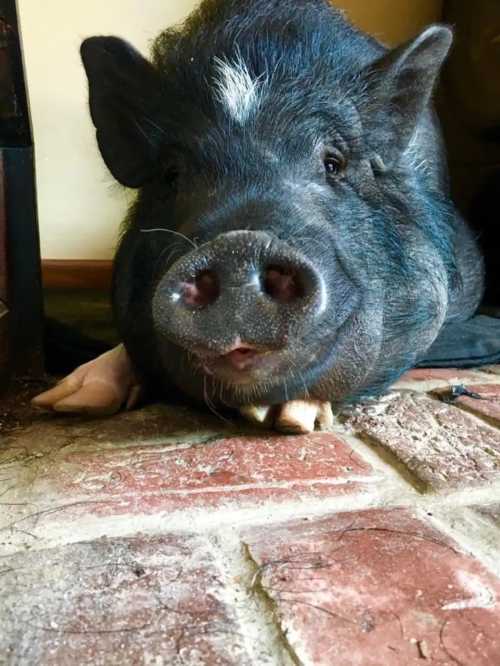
(99, 387)
(294, 417)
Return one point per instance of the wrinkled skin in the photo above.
(338, 166)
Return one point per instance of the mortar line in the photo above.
(206, 519)
(385, 462)
(262, 632)
(468, 536)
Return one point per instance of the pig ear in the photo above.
(400, 87)
(124, 91)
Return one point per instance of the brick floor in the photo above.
(121, 601)
(439, 443)
(167, 536)
(492, 512)
(211, 473)
(424, 379)
(482, 400)
(378, 587)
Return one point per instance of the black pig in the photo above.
(293, 237)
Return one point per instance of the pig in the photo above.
(293, 245)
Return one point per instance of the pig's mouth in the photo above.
(241, 364)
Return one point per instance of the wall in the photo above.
(392, 21)
(80, 207)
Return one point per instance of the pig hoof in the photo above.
(258, 414)
(294, 417)
(98, 388)
(302, 416)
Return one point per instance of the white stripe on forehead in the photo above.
(236, 89)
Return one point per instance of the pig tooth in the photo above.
(298, 416)
(256, 413)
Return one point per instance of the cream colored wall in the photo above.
(80, 207)
(392, 21)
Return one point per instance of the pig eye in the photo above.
(334, 165)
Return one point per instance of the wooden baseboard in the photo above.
(76, 274)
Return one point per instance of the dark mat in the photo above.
(468, 344)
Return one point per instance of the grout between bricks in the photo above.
(393, 495)
(264, 638)
(379, 457)
(464, 527)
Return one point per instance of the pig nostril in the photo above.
(203, 290)
(283, 284)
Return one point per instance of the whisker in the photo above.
(173, 250)
(170, 231)
(210, 404)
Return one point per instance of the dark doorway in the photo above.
(20, 284)
(470, 110)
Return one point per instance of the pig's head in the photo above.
(289, 237)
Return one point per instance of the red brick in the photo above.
(444, 374)
(488, 405)
(116, 602)
(377, 588)
(235, 472)
(439, 443)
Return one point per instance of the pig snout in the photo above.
(239, 296)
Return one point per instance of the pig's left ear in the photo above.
(399, 88)
(124, 91)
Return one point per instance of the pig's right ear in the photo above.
(399, 87)
(124, 93)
